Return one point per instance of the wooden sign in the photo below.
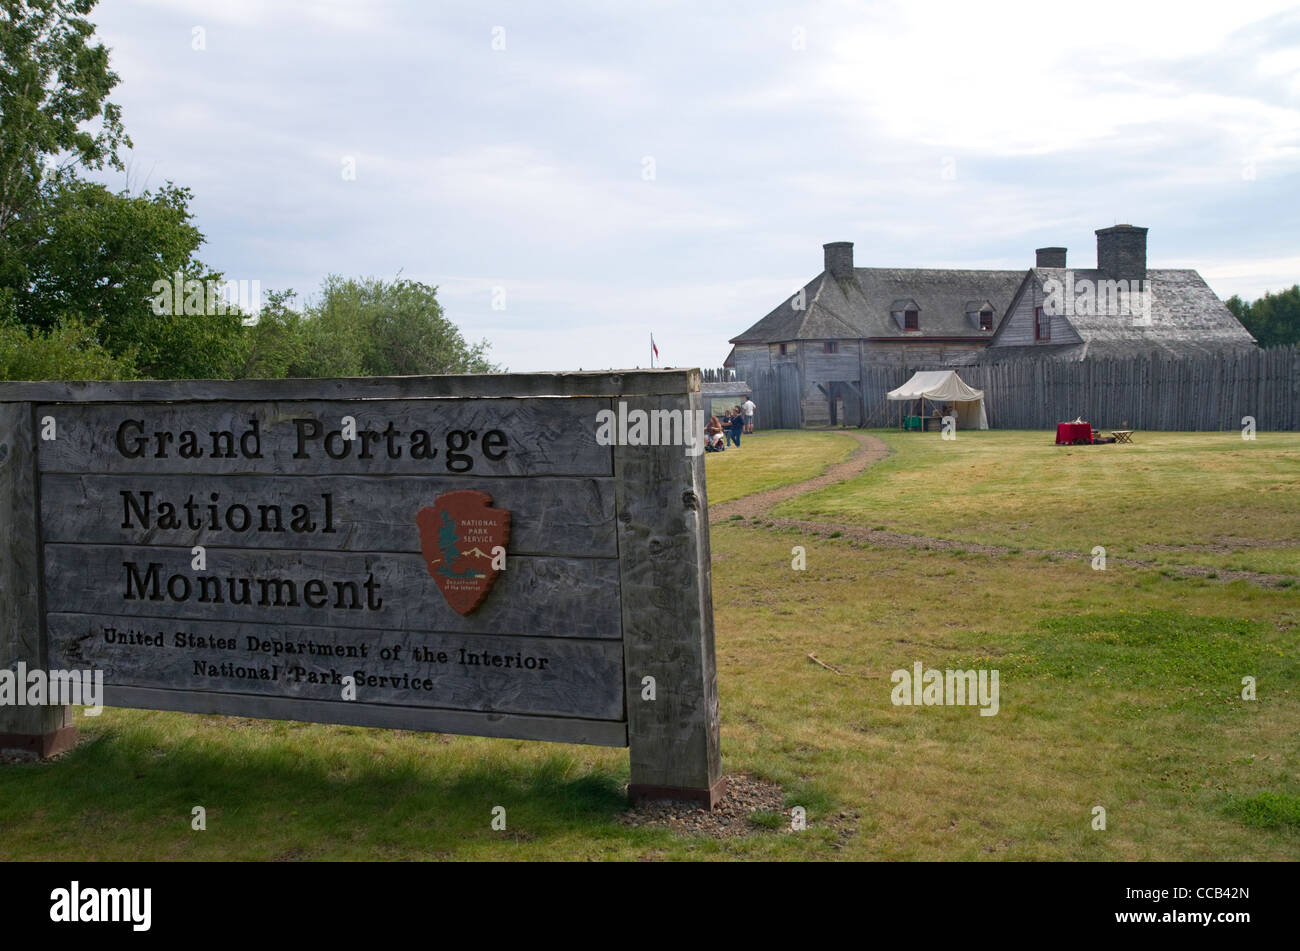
(455, 554)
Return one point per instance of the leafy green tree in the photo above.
(371, 327)
(55, 116)
(68, 351)
(1274, 319)
(82, 266)
(72, 249)
(104, 256)
(277, 343)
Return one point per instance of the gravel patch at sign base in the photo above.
(730, 817)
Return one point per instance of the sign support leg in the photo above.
(667, 604)
(43, 730)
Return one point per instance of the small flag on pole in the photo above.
(654, 351)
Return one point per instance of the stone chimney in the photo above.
(839, 259)
(1050, 257)
(1122, 253)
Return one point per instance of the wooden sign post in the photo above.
(514, 555)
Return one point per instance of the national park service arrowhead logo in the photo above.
(462, 537)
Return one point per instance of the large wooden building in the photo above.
(823, 339)
(1119, 308)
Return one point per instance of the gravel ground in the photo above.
(745, 796)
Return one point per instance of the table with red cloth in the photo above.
(1070, 434)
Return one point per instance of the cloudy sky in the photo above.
(575, 176)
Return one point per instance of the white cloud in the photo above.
(523, 168)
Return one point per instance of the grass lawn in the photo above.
(1119, 689)
(1209, 499)
(767, 460)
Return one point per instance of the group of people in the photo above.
(721, 433)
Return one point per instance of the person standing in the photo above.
(737, 423)
(748, 409)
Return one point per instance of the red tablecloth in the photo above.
(1069, 434)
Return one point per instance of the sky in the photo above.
(576, 176)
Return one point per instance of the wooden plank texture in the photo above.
(668, 611)
(511, 726)
(551, 516)
(450, 386)
(607, 581)
(21, 637)
(567, 597)
(510, 438)
(527, 675)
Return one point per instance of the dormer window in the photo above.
(1042, 324)
(979, 314)
(906, 314)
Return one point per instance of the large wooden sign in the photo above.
(473, 554)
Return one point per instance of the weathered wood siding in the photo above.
(21, 639)
(311, 539)
(1017, 329)
(666, 579)
(549, 676)
(368, 513)
(575, 596)
(915, 354)
(1146, 391)
(543, 437)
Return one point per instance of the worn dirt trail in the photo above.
(871, 450)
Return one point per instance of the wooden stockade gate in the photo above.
(465, 554)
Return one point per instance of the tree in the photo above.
(81, 265)
(72, 250)
(1273, 320)
(68, 351)
(100, 255)
(277, 343)
(370, 327)
(53, 83)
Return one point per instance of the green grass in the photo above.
(1210, 499)
(1267, 810)
(1108, 696)
(769, 460)
(1120, 689)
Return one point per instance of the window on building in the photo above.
(832, 347)
(783, 351)
(1042, 325)
(911, 320)
(986, 319)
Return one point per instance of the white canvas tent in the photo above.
(945, 386)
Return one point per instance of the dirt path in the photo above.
(871, 450)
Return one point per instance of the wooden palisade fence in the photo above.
(1143, 391)
(1146, 391)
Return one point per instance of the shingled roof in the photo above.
(859, 306)
(1187, 318)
